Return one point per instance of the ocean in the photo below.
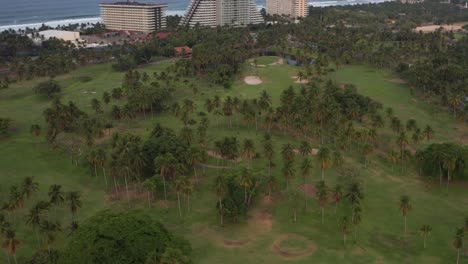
(18, 14)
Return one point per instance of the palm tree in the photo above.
(354, 195)
(294, 198)
(101, 157)
(337, 195)
(356, 219)
(166, 164)
(49, 230)
(306, 167)
(34, 218)
(106, 98)
(305, 148)
(287, 152)
(56, 196)
(10, 244)
(248, 151)
(269, 151)
(458, 241)
(405, 207)
(344, 225)
(29, 186)
(245, 180)
(449, 163)
(325, 159)
(149, 185)
(393, 158)
(402, 141)
(271, 184)
(35, 130)
(74, 202)
(425, 231)
(288, 171)
(220, 189)
(178, 187)
(322, 197)
(367, 150)
(428, 132)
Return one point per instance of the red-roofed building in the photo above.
(162, 35)
(183, 52)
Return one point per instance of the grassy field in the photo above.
(270, 224)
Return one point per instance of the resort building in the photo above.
(212, 13)
(72, 36)
(134, 16)
(290, 8)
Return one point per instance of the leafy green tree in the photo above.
(48, 88)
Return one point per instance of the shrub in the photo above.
(48, 88)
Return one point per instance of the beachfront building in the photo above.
(290, 8)
(134, 16)
(212, 13)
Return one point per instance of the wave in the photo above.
(53, 23)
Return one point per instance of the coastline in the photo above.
(92, 20)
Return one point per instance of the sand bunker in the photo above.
(432, 28)
(313, 152)
(253, 80)
(280, 61)
(293, 251)
(302, 81)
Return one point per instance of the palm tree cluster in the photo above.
(45, 226)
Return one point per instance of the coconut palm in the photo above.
(248, 151)
(357, 218)
(325, 160)
(73, 200)
(56, 196)
(101, 158)
(306, 167)
(294, 198)
(344, 226)
(29, 186)
(178, 187)
(425, 231)
(35, 216)
(428, 133)
(449, 164)
(49, 231)
(166, 164)
(220, 189)
(245, 180)
(458, 241)
(337, 195)
(288, 172)
(268, 151)
(322, 197)
(35, 130)
(271, 185)
(305, 148)
(10, 244)
(405, 207)
(287, 152)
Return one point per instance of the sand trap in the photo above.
(313, 152)
(308, 250)
(432, 28)
(253, 80)
(280, 61)
(258, 65)
(213, 154)
(303, 81)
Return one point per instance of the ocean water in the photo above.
(18, 14)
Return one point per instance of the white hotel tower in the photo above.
(213, 13)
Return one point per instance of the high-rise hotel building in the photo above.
(213, 13)
(134, 16)
(291, 8)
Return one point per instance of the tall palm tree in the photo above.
(294, 198)
(166, 164)
(449, 163)
(245, 180)
(248, 151)
(49, 230)
(56, 196)
(428, 132)
(322, 197)
(405, 207)
(288, 172)
(35, 216)
(458, 241)
(325, 160)
(337, 195)
(73, 200)
(402, 141)
(10, 244)
(178, 187)
(29, 186)
(344, 225)
(305, 148)
(287, 152)
(220, 189)
(357, 218)
(271, 184)
(101, 158)
(306, 167)
(425, 231)
(268, 151)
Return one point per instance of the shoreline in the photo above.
(92, 20)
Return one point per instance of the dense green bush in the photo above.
(124, 237)
(48, 88)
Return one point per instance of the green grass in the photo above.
(266, 60)
(379, 235)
